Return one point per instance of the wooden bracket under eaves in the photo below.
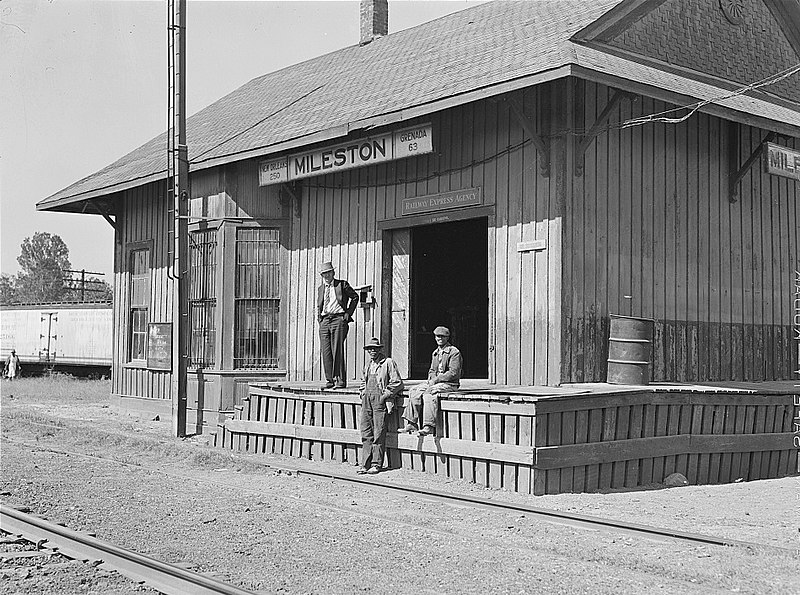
(736, 172)
(542, 144)
(288, 195)
(586, 139)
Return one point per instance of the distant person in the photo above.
(444, 376)
(336, 302)
(381, 383)
(12, 367)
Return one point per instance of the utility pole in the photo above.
(178, 163)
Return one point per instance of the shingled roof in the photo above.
(488, 49)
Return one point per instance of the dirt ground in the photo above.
(69, 457)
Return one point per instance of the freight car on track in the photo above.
(65, 337)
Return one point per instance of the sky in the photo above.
(84, 82)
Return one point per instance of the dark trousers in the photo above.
(332, 333)
(373, 430)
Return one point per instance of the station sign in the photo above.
(469, 197)
(357, 153)
(783, 162)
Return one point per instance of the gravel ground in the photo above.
(69, 457)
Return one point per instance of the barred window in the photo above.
(202, 297)
(139, 304)
(257, 298)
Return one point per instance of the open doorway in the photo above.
(449, 287)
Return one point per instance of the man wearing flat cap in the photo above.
(336, 302)
(381, 383)
(444, 376)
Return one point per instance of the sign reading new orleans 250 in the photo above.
(357, 153)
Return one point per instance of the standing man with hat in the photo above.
(336, 302)
(11, 368)
(381, 383)
(443, 376)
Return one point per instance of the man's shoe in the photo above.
(362, 470)
(427, 431)
(341, 384)
(328, 384)
(408, 429)
(374, 470)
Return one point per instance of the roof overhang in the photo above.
(593, 65)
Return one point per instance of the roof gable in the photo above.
(737, 41)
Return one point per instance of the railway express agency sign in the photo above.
(357, 153)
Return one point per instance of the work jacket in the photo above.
(345, 295)
(445, 366)
(387, 375)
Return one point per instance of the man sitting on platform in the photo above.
(444, 376)
(378, 389)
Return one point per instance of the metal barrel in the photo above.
(629, 344)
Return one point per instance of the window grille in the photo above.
(139, 303)
(257, 298)
(202, 297)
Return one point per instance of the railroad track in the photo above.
(570, 519)
(76, 545)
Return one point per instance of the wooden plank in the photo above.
(673, 421)
(495, 437)
(567, 437)
(321, 397)
(555, 457)
(715, 459)
(488, 407)
(581, 436)
(595, 434)
(525, 439)
(510, 438)
(609, 432)
(756, 458)
(648, 430)
(634, 431)
(554, 438)
(467, 465)
(661, 413)
(481, 435)
(621, 433)
(538, 480)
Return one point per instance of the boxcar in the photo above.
(65, 337)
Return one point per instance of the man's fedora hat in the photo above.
(441, 330)
(374, 343)
(326, 266)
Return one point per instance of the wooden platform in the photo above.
(544, 440)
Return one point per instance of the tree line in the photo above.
(46, 275)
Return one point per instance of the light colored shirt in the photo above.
(331, 305)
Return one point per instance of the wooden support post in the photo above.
(590, 135)
(542, 144)
(737, 173)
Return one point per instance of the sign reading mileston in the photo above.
(357, 153)
(782, 161)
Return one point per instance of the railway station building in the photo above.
(520, 172)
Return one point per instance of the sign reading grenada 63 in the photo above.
(783, 162)
(357, 153)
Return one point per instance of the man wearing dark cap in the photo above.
(381, 383)
(444, 376)
(336, 302)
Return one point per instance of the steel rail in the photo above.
(167, 578)
(563, 518)
(577, 520)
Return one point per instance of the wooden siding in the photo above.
(481, 144)
(142, 221)
(650, 219)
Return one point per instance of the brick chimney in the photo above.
(374, 19)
